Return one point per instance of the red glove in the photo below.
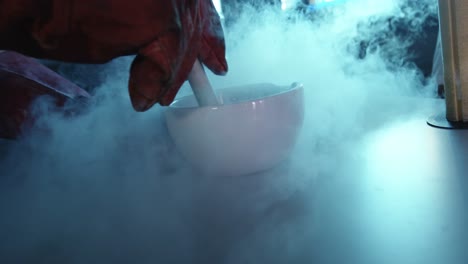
(167, 36)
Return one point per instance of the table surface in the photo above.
(395, 194)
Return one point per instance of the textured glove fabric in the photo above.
(167, 36)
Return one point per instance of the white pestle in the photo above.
(201, 86)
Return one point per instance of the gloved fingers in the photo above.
(145, 84)
(213, 48)
(161, 68)
(152, 71)
(157, 75)
(180, 77)
(159, 71)
(213, 55)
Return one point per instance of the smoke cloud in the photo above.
(108, 185)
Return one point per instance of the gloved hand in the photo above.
(167, 36)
